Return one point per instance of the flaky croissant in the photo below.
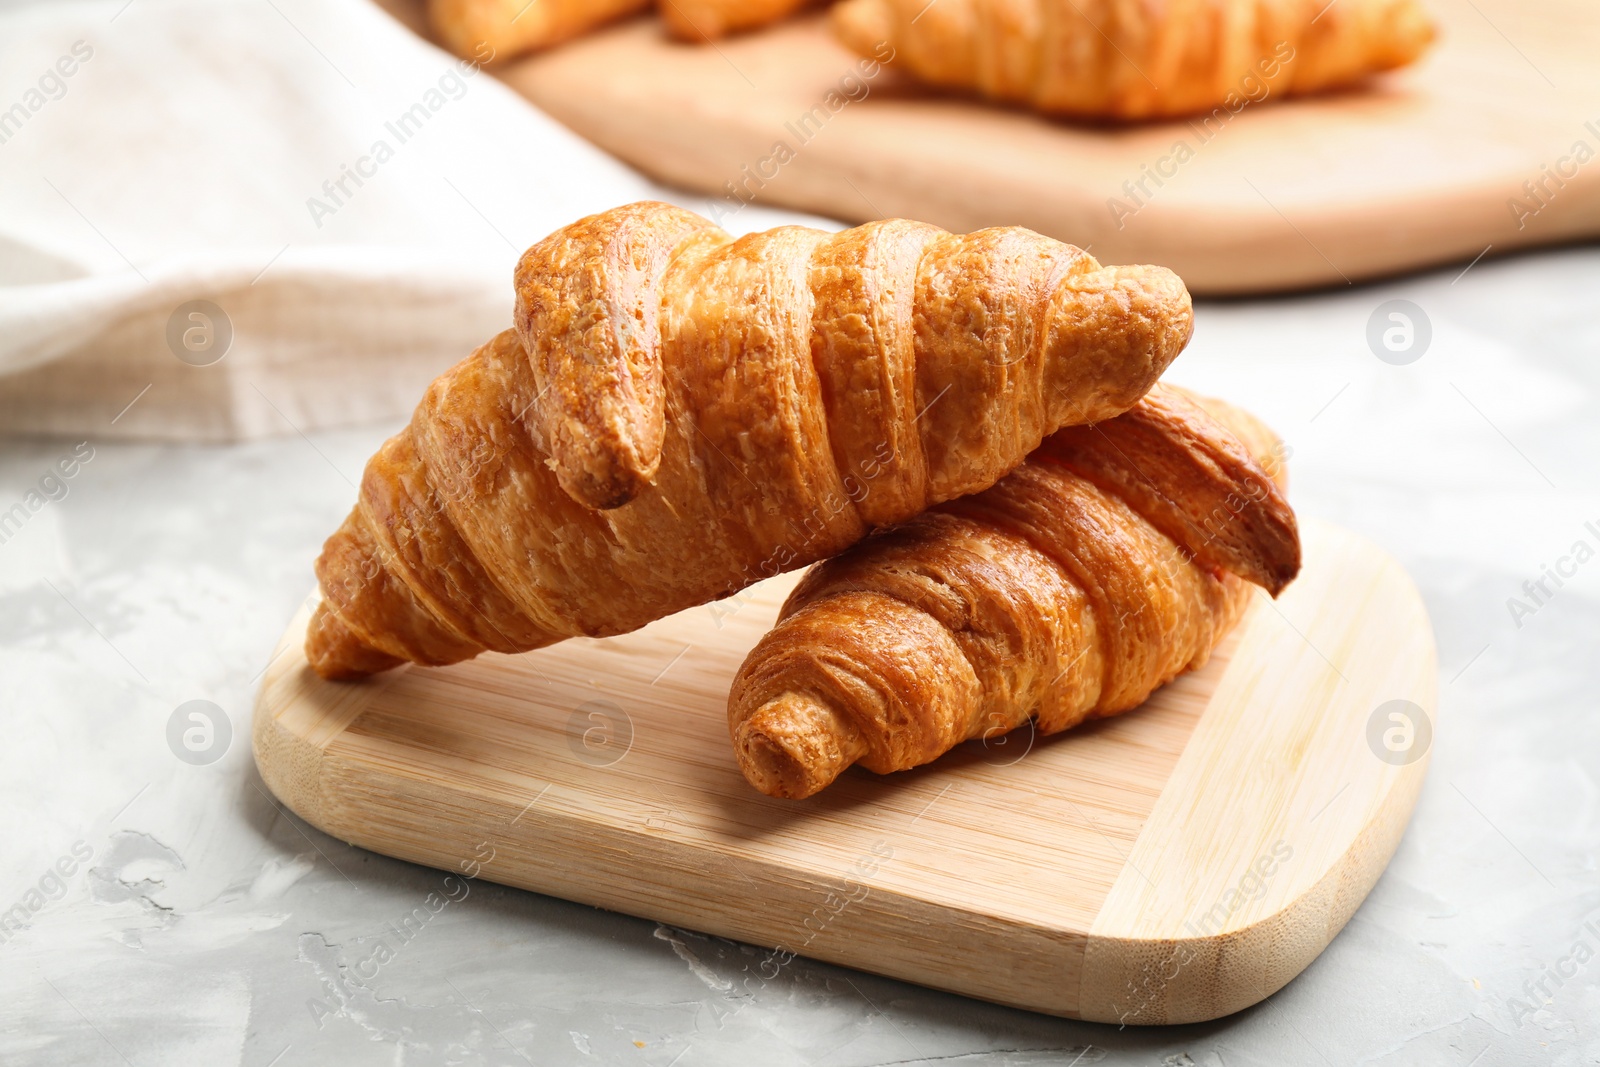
(679, 414)
(1132, 60)
(1114, 559)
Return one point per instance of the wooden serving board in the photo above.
(1420, 170)
(1169, 865)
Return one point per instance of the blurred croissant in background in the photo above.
(1109, 59)
(511, 27)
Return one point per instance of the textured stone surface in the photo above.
(210, 928)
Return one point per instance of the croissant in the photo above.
(1114, 559)
(679, 414)
(706, 20)
(505, 28)
(508, 27)
(1112, 59)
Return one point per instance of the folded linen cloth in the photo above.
(236, 218)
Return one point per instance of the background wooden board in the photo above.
(1305, 192)
(1118, 872)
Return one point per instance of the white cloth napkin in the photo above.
(346, 202)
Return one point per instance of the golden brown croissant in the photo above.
(1130, 60)
(706, 20)
(679, 414)
(501, 29)
(1110, 562)
(508, 27)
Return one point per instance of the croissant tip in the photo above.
(794, 745)
(1284, 577)
(1171, 307)
(337, 654)
(604, 479)
(774, 769)
(601, 495)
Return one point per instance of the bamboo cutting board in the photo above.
(1173, 864)
(1425, 168)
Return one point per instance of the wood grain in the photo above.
(1419, 170)
(1067, 875)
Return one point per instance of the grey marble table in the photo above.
(171, 913)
